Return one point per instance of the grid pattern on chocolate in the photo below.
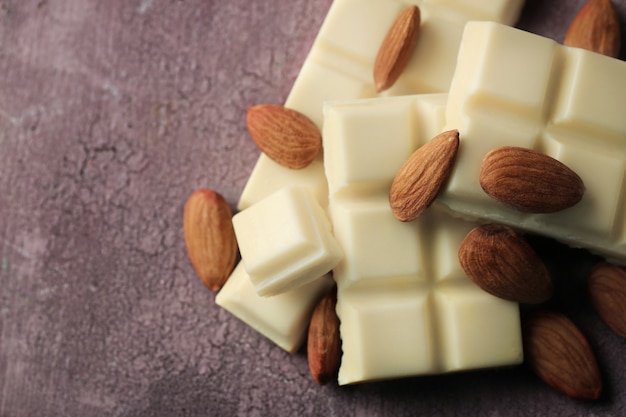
(404, 302)
(429, 318)
(568, 104)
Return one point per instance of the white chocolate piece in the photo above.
(268, 177)
(285, 241)
(515, 88)
(432, 320)
(341, 62)
(382, 132)
(284, 319)
(404, 303)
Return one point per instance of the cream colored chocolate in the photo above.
(345, 50)
(514, 88)
(285, 241)
(405, 305)
(268, 177)
(340, 66)
(284, 319)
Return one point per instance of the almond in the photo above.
(210, 237)
(607, 289)
(529, 181)
(287, 136)
(419, 180)
(397, 47)
(596, 28)
(501, 262)
(324, 342)
(558, 352)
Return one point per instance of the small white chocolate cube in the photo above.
(284, 319)
(285, 241)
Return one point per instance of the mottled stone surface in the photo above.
(111, 114)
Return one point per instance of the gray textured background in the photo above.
(111, 114)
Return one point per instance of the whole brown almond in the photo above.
(210, 237)
(558, 352)
(596, 28)
(607, 289)
(397, 47)
(501, 262)
(287, 136)
(324, 341)
(529, 181)
(419, 180)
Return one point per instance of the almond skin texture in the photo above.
(397, 47)
(558, 352)
(324, 341)
(596, 28)
(529, 181)
(210, 237)
(502, 263)
(607, 289)
(285, 135)
(421, 177)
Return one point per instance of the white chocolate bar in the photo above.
(405, 305)
(284, 319)
(515, 88)
(285, 241)
(341, 62)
